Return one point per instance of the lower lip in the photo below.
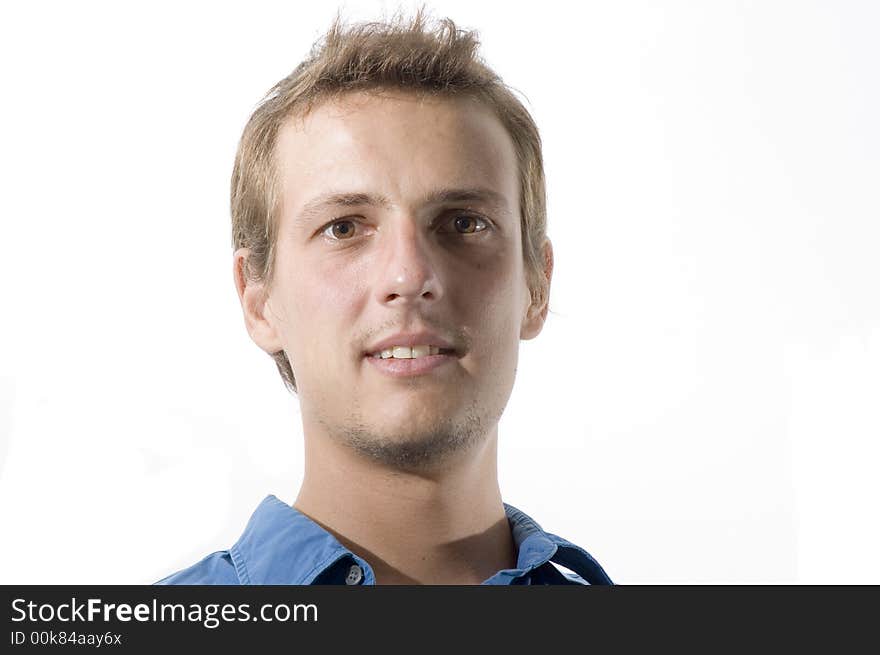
(401, 368)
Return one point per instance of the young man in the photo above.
(390, 252)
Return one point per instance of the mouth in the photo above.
(411, 361)
(410, 352)
(416, 352)
(408, 356)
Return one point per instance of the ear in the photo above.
(536, 313)
(253, 296)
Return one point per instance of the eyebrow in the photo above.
(446, 196)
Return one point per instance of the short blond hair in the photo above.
(413, 54)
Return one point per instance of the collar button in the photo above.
(355, 575)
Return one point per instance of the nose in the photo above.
(408, 271)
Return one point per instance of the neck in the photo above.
(441, 527)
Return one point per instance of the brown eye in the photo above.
(469, 224)
(340, 230)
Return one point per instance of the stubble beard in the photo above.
(422, 451)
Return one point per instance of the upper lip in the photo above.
(422, 338)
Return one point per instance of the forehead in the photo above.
(403, 146)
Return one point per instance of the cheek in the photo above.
(322, 293)
(322, 307)
(496, 302)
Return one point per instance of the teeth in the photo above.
(405, 352)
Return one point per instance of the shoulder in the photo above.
(217, 568)
(582, 567)
(574, 565)
(574, 578)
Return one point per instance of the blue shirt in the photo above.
(282, 546)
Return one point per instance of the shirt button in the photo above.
(355, 575)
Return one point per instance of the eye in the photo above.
(340, 230)
(468, 224)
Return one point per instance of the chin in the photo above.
(409, 442)
(409, 429)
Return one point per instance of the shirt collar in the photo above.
(282, 546)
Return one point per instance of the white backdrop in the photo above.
(701, 407)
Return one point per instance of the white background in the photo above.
(701, 407)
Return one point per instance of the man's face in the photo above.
(399, 218)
